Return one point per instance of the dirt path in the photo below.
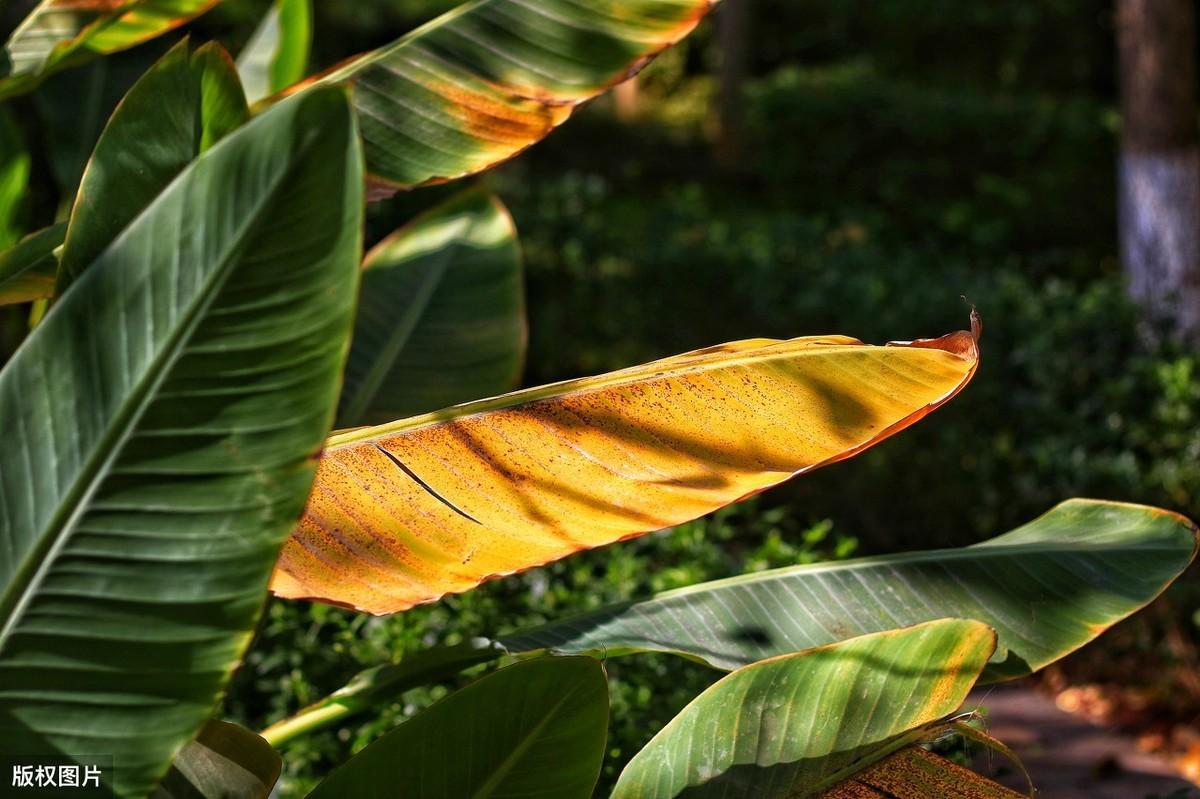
(1070, 758)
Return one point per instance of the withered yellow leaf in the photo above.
(406, 512)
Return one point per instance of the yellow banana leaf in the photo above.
(406, 512)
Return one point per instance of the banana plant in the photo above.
(169, 458)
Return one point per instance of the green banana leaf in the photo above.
(277, 54)
(441, 314)
(795, 724)
(535, 729)
(57, 35)
(1047, 588)
(27, 271)
(181, 107)
(484, 81)
(160, 428)
(224, 762)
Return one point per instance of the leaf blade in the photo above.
(484, 81)
(809, 714)
(28, 269)
(456, 272)
(456, 497)
(277, 54)
(1048, 588)
(179, 108)
(536, 728)
(159, 472)
(224, 761)
(55, 35)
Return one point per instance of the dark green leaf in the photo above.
(182, 106)
(162, 423)
(1047, 588)
(534, 730)
(441, 317)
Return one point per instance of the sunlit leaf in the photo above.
(61, 33)
(277, 54)
(182, 106)
(783, 726)
(225, 761)
(534, 730)
(27, 271)
(486, 80)
(163, 421)
(441, 315)
(1047, 588)
(405, 512)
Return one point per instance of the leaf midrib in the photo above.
(977, 552)
(630, 376)
(503, 769)
(54, 536)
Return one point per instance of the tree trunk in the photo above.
(1159, 170)
(733, 30)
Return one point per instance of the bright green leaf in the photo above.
(224, 762)
(163, 420)
(182, 106)
(441, 316)
(58, 34)
(797, 721)
(534, 730)
(1047, 588)
(27, 270)
(277, 54)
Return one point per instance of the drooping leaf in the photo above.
(484, 81)
(27, 270)
(277, 54)
(441, 315)
(782, 726)
(15, 163)
(405, 512)
(224, 762)
(182, 106)
(61, 33)
(160, 427)
(1047, 588)
(378, 686)
(915, 773)
(535, 729)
